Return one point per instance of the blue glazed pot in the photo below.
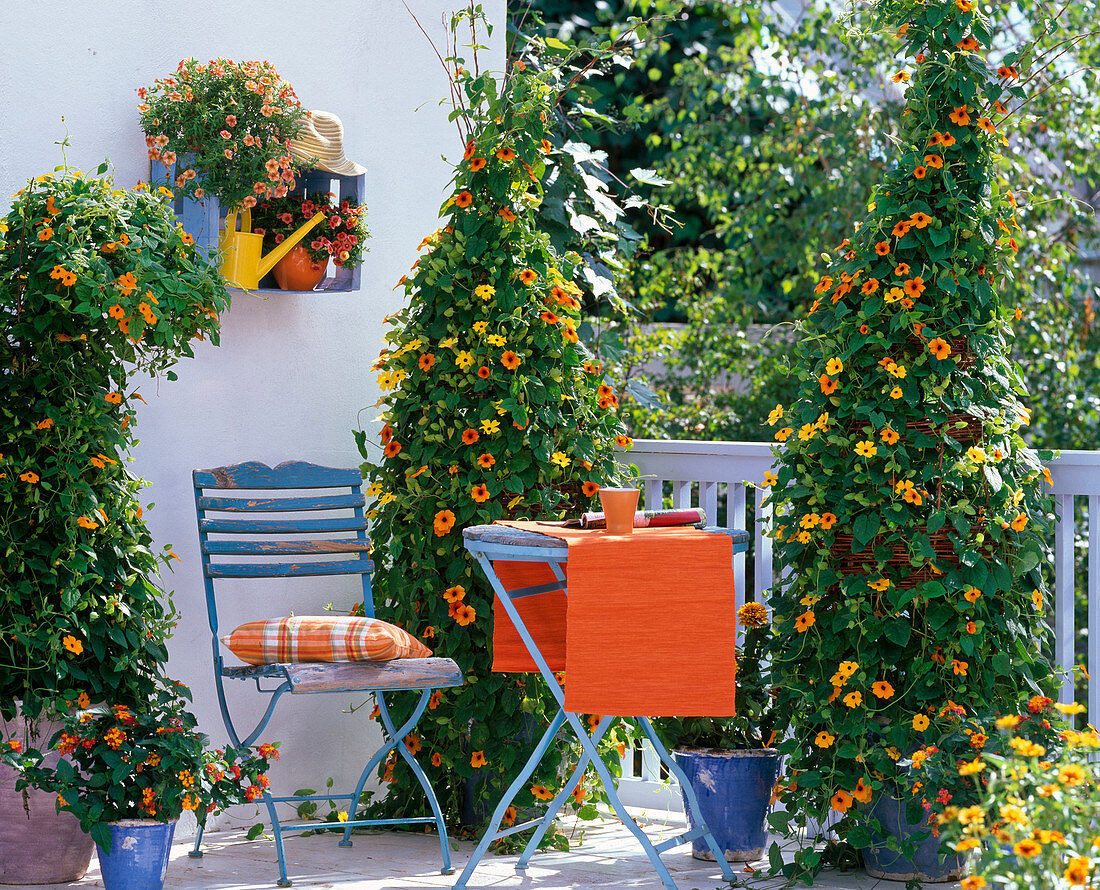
(925, 864)
(734, 789)
(139, 854)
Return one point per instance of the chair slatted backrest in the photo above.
(280, 537)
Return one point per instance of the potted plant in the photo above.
(96, 283)
(224, 127)
(128, 774)
(909, 510)
(491, 408)
(1029, 817)
(730, 761)
(341, 237)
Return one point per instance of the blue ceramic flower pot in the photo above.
(139, 854)
(734, 789)
(925, 865)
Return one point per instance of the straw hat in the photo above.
(322, 137)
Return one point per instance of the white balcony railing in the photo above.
(699, 473)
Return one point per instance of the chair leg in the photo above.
(277, 829)
(196, 851)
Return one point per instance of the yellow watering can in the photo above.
(243, 263)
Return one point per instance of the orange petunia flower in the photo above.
(113, 398)
(551, 318)
(901, 77)
(29, 477)
(986, 124)
(947, 140)
(889, 436)
(483, 372)
(901, 270)
(569, 334)
(1019, 523)
(969, 45)
(1008, 72)
(479, 493)
(624, 441)
(882, 689)
(541, 792)
(72, 644)
(959, 667)
(443, 522)
(823, 285)
(437, 759)
(477, 164)
(464, 199)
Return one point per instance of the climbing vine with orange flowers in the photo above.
(909, 511)
(492, 409)
(96, 283)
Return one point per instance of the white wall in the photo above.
(292, 372)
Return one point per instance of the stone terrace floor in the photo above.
(606, 856)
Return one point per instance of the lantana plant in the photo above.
(96, 283)
(492, 409)
(909, 511)
(147, 763)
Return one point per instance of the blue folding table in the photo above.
(489, 543)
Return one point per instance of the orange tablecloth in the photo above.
(648, 627)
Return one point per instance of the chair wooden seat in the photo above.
(319, 676)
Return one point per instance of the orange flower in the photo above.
(507, 214)
(863, 791)
(1019, 522)
(46, 234)
(959, 667)
(841, 801)
(551, 318)
(921, 220)
(444, 521)
(437, 759)
(454, 594)
(920, 172)
(901, 270)
(960, 116)
(72, 644)
(392, 449)
(126, 284)
(590, 488)
(541, 792)
(947, 140)
(426, 361)
(804, 621)
(469, 437)
(882, 248)
(1007, 72)
(569, 334)
(825, 283)
(971, 627)
(940, 348)
(901, 229)
(85, 522)
(528, 276)
(477, 164)
(882, 689)
(510, 360)
(470, 150)
(624, 441)
(464, 199)
(113, 398)
(869, 286)
(968, 45)
(972, 594)
(901, 77)
(479, 493)
(465, 614)
(828, 385)
(889, 436)
(486, 460)
(934, 161)
(914, 287)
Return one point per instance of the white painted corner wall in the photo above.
(292, 376)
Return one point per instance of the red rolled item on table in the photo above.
(651, 519)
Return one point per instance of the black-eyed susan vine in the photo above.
(492, 409)
(96, 283)
(909, 512)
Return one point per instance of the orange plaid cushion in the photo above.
(325, 638)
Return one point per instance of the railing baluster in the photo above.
(1094, 608)
(653, 496)
(1064, 589)
(735, 518)
(681, 495)
(764, 564)
(708, 500)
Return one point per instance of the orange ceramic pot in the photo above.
(296, 271)
(619, 505)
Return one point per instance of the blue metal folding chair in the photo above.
(264, 545)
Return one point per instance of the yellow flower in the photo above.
(1077, 871)
(824, 739)
(853, 699)
(1071, 774)
(342, 816)
(847, 668)
(866, 448)
(479, 327)
(490, 426)
(560, 458)
(806, 431)
(971, 815)
(485, 291)
(1011, 721)
(971, 767)
(920, 722)
(775, 415)
(834, 367)
(770, 479)
(896, 393)
(879, 584)
(1027, 848)
(1075, 708)
(464, 360)
(495, 340)
(753, 615)
(783, 434)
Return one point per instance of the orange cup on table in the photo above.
(619, 505)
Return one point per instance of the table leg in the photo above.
(689, 796)
(493, 832)
(557, 803)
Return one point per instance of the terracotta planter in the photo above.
(619, 505)
(297, 271)
(38, 845)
